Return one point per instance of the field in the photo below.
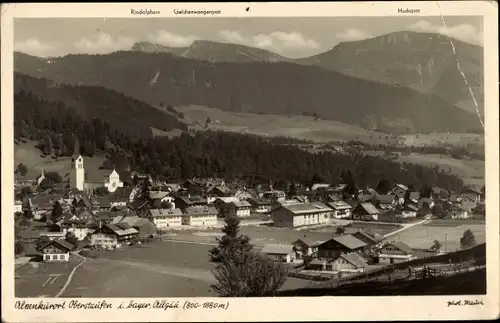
(471, 171)
(300, 127)
(422, 236)
(31, 156)
(441, 139)
(158, 269)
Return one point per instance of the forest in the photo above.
(206, 153)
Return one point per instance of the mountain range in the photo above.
(401, 82)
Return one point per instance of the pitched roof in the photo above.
(354, 259)
(301, 208)
(401, 186)
(350, 242)
(209, 210)
(410, 207)
(385, 199)
(278, 249)
(366, 235)
(120, 231)
(369, 208)
(165, 212)
(414, 195)
(308, 242)
(158, 194)
(239, 204)
(63, 243)
(102, 201)
(338, 205)
(259, 201)
(402, 246)
(228, 199)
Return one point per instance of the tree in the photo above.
(231, 246)
(71, 238)
(340, 230)
(18, 248)
(468, 240)
(438, 210)
(436, 245)
(292, 190)
(426, 191)
(254, 276)
(22, 169)
(57, 212)
(383, 187)
(135, 180)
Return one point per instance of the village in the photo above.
(318, 231)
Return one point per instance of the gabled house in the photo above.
(305, 247)
(365, 211)
(456, 211)
(341, 210)
(318, 186)
(370, 240)
(56, 251)
(238, 208)
(334, 247)
(245, 194)
(166, 218)
(260, 205)
(205, 216)
(274, 195)
(280, 252)
(141, 206)
(145, 227)
(122, 196)
(302, 214)
(414, 197)
(159, 198)
(399, 190)
(213, 192)
(395, 252)
(348, 263)
(101, 204)
(184, 202)
(407, 211)
(110, 236)
(473, 194)
(468, 202)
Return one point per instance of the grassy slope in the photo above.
(300, 127)
(31, 156)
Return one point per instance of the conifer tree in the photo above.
(231, 245)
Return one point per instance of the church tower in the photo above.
(77, 175)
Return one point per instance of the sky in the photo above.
(290, 37)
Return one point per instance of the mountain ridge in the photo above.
(259, 87)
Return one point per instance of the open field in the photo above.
(42, 279)
(31, 156)
(471, 171)
(300, 127)
(158, 269)
(422, 236)
(442, 139)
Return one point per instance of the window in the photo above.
(54, 257)
(62, 257)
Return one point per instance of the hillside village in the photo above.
(110, 211)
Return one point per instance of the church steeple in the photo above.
(76, 149)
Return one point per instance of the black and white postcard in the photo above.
(250, 161)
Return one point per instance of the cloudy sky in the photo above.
(291, 37)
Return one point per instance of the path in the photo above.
(407, 226)
(70, 277)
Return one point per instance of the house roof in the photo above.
(165, 212)
(158, 194)
(414, 195)
(103, 216)
(259, 201)
(119, 230)
(139, 204)
(472, 190)
(301, 208)
(241, 204)
(222, 189)
(63, 243)
(339, 205)
(385, 199)
(401, 186)
(209, 210)
(369, 208)
(410, 207)
(402, 246)
(278, 249)
(319, 185)
(308, 242)
(102, 201)
(227, 199)
(365, 235)
(317, 261)
(124, 191)
(350, 242)
(354, 259)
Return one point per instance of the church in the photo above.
(94, 179)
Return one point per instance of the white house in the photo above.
(341, 209)
(166, 218)
(18, 207)
(240, 208)
(280, 252)
(56, 251)
(395, 252)
(407, 211)
(204, 216)
(302, 214)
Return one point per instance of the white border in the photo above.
(272, 309)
